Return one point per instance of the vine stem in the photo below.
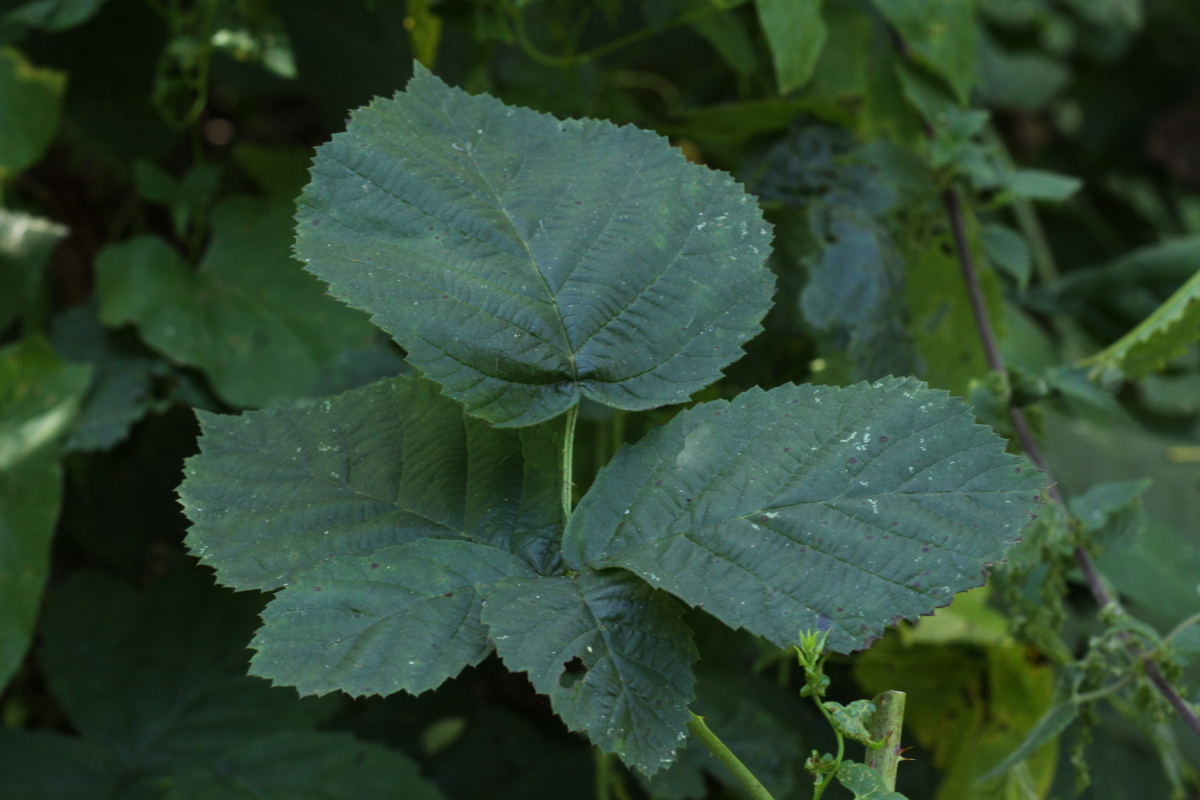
(886, 726)
(754, 789)
(568, 461)
(995, 362)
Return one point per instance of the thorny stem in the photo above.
(568, 461)
(885, 728)
(995, 361)
(754, 789)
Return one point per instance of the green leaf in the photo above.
(37, 765)
(161, 677)
(26, 243)
(1038, 184)
(275, 492)
(810, 507)
(39, 396)
(305, 766)
(186, 199)
(1007, 250)
(941, 34)
(1112, 512)
(51, 15)
(1048, 728)
(526, 262)
(249, 317)
(1163, 335)
(122, 390)
(402, 618)
(865, 783)
(635, 652)
(796, 34)
(30, 107)
(726, 32)
(852, 720)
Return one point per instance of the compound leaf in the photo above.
(635, 651)
(305, 766)
(274, 492)
(39, 396)
(525, 262)
(1163, 335)
(249, 317)
(810, 507)
(404, 617)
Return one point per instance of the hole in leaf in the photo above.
(573, 672)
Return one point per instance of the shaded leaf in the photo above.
(726, 32)
(636, 655)
(276, 492)
(160, 678)
(26, 243)
(30, 107)
(810, 507)
(796, 35)
(122, 390)
(51, 15)
(400, 618)
(39, 397)
(1112, 513)
(1007, 250)
(305, 766)
(249, 317)
(36, 765)
(525, 262)
(942, 35)
(1163, 335)
(1037, 184)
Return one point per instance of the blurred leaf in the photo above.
(726, 32)
(967, 620)
(1008, 251)
(384, 465)
(280, 171)
(941, 34)
(528, 242)
(1037, 184)
(39, 397)
(1112, 513)
(1164, 335)
(787, 485)
(122, 390)
(796, 34)
(26, 243)
(970, 707)
(424, 30)
(636, 655)
(155, 684)
(304, 766)
(30, 107)
(50, 15)
(186, 199)
(1021, 80)
(249, 317)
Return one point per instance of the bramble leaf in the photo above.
(249, 317)
(277, 491)
(635, 653)
(810, 507)
(525, 262)
(404, 617)
(865, 783)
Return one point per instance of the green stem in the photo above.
(841, 750)
(886, 726)
(754, 789)
(568, 461)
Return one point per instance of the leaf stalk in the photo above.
(698, 728)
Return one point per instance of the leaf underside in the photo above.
(525, 262)
(811, 507)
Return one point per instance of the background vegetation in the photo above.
(150, 151)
